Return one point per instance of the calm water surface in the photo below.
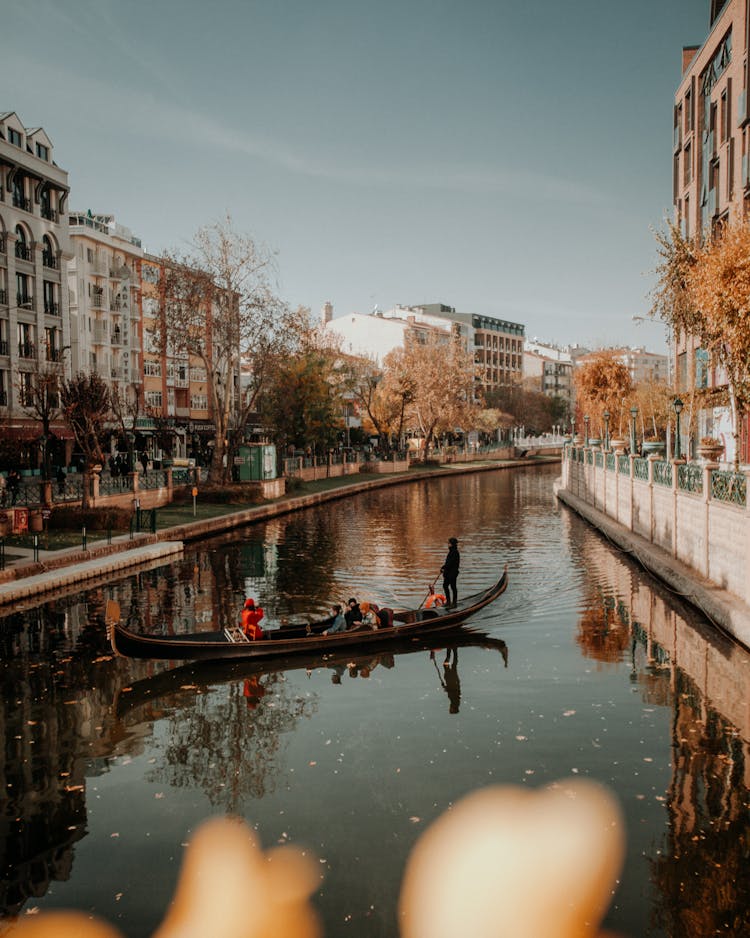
(585, 666)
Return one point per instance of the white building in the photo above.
(379, 333)
(34, 246)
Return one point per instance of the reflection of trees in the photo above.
(702, 878)
(231, 744)
(603, 632)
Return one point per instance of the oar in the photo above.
(432, 590)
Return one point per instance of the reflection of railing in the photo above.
(690, 478)
(662, 472)
(729, 487)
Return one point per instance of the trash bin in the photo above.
(36, 521)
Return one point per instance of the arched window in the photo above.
(49, 255)
(23, 249)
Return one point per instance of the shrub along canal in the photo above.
(584, 667)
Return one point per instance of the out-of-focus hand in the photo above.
(512, 863)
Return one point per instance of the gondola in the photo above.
(294, 638)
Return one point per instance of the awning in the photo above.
(32, 432)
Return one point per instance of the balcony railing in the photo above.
(3, 298)
(20, 202)
(23, 251)
(26, 350)
(117, 373)
(97, 301)
(50, 214)
(4, 347)
(116, 337)
(49, 260)
(24, 301)
(54, 355)
(3, 245)
(51, 308)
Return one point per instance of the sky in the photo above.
(505, 158)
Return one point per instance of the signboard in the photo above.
(20, 520)
(46, 514)
(195, 492)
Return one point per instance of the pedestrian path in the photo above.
(48, 580)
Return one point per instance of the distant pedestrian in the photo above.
(60, 476)
(14, 484)
(144, 461)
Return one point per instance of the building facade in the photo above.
(34, 248)
(711, 169)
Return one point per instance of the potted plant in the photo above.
(710, 448)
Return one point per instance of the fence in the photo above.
(697, 512)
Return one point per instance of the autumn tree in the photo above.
(442, 376)
(603, 383)
(672, 300)
(39, 394)
(127, 406)
(653, 400)
(719, 285)
(380, 393)
(219, 308)
(86, 408)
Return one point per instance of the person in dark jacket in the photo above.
(353, 615)
(450, 572)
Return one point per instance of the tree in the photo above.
(442, 379)
(603, 384)
(40, 398)
(302, 403)
(719, 285)
(127, 406)
(672, 300)
(86, 407)
(219, 308)
(380, 393)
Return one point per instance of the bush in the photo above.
(64, 518)
(235, 493)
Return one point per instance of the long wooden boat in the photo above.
(295, 638)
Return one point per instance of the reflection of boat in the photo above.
(297, 639)
(196, 677)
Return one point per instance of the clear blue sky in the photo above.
(503, 157)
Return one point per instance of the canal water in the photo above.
(585, 666)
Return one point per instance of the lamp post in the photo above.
(678, 405)
(606, 430)
(586, 431)
(633, 429)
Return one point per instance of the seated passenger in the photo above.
(354, 614)
(385, 617)
(339, 622)
(369, 616)
(250, 620)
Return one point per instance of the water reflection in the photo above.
(586, 629)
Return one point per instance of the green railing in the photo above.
(610, 462)
(729, 487)
(589, 457)
(662, 472)
(640, 468)
(599, 458)
(690, 478)
(623, 465)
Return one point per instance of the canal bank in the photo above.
(725, 610)
(56, 569)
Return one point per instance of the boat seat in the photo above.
(234, 633)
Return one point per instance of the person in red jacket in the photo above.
(250, 620)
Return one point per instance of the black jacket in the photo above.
(452, 562)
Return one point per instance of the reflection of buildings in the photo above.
(702, 875)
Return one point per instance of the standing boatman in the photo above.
(450, 571)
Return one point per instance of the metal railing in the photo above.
(156, 479)
(640, 468)
(623, 465)
(662, 472)
(690, 478)
(729, 487)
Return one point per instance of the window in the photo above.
(153, 399)
(199, 402)
(89, 255)
(150, 274)
(50, 303)
(724, 116)
(687, 165)
(14, 137)
(25, 389)
(42, 152)
(197, 374)
(152, 369)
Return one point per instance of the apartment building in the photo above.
(175, 385)
(550, 371)
(711, 164)
(34, 247)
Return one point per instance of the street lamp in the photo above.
(606, 430)
(586, 431)
(678, 405)
(633, 428)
